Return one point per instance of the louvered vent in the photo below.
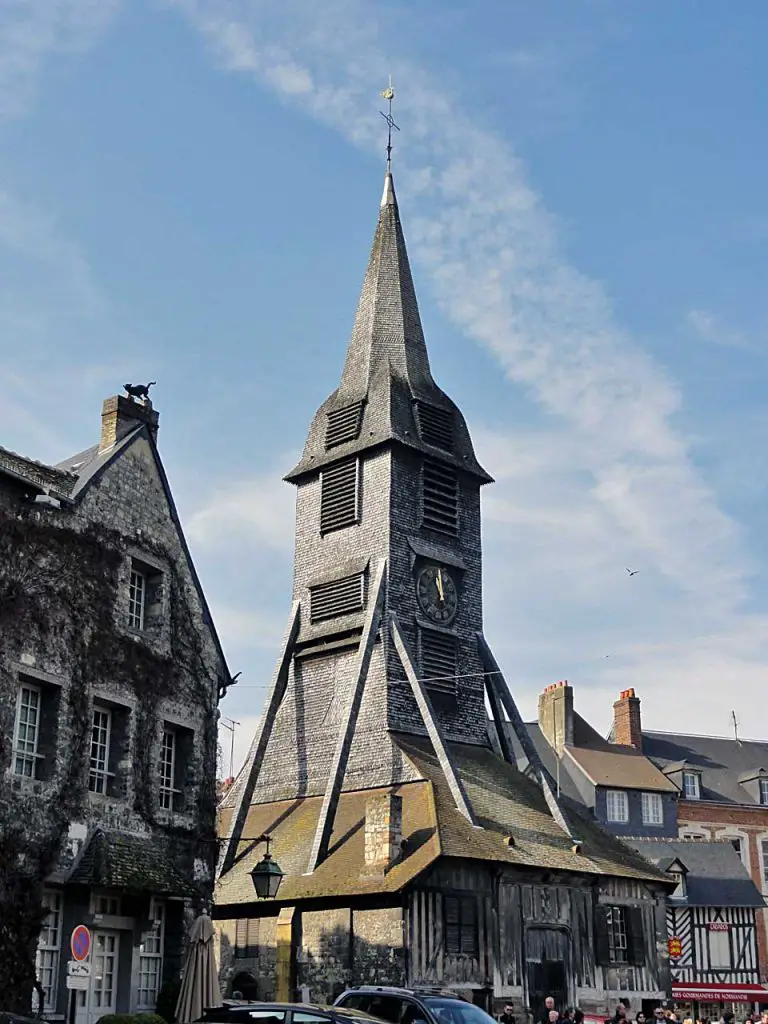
(438, 661)
(343, 425)
(338, 597)
(338, 496)
(440, 487)
(435, 425)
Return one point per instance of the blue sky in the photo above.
(188, 190)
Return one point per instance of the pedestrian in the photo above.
(764, 1017)
(640, 1017)
(727, 1017)
(578, 1016)
(554, 1017)
(620, 1015)
(508, 1016)
(549, 1005)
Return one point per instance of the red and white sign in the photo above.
(716, 993)
(80, 942)
(718, 926)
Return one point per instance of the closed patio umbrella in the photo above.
(200, 982)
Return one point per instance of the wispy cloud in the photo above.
(711, 328)
(613, 482)
(31, 34)
(249, 514)
(492, 254)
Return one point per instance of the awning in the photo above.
(720, 993)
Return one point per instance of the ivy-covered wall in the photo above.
(64, 576)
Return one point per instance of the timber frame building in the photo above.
(415, 849)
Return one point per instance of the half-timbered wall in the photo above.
(710, 937)
(520, 925)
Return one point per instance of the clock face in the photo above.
(437, 594)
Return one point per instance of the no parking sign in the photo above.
(80, 942)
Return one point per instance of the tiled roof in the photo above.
(604, 763)
(720, 760)
(56, 479)
(506, 804)
(292, 824)
(716, 875)
(120, 860)
(622, 767)
(387, 366)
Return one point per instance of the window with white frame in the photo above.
(616, 805)
(653, 810)
(101, 730)
(764, 856)
(137, 597)
(680, 891)
(694, 835)
(151, 957)
(618, 945)
(105, 903)
(167, 768)
(49, 948)
(764, 791)
(26, 734)
(691, 786)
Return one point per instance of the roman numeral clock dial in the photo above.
(437, 594)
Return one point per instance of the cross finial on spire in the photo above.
(389, 95)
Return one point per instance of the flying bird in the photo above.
(633, 572)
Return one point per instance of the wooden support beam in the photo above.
(285, 966)
(507, 751)
(430, 721)
(349, 720)
(495, 679)
(261, 739)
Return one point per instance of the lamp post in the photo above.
(267, 875)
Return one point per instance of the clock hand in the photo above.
(439, 581)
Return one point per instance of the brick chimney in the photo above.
(383, 832)
(556, 715)
(627, 725)
(120, 415)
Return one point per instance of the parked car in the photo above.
(412, 1006)
(283, 1013)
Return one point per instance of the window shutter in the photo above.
(469, 937)
(602, 945)
(435, 425)
(343, 425)
(635, 935)
(452, 926)
(440, 496)
(339, 496)
(338, 597)
(438, 661)
(241, 936)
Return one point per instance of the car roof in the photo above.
(243, 1008)
(419, 993)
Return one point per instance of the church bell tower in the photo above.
(385, 637)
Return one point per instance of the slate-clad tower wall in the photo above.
(388, 473)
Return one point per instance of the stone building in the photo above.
(413, 851)
(110, 676)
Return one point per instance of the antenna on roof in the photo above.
(735, 727)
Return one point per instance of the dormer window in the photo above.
(691, 786)
(680, 891)
(764, 791)
(616, 806)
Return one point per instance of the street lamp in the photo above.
(267, 875)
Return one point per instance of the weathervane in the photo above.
(389, 95)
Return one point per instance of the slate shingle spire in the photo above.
(387, 366)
